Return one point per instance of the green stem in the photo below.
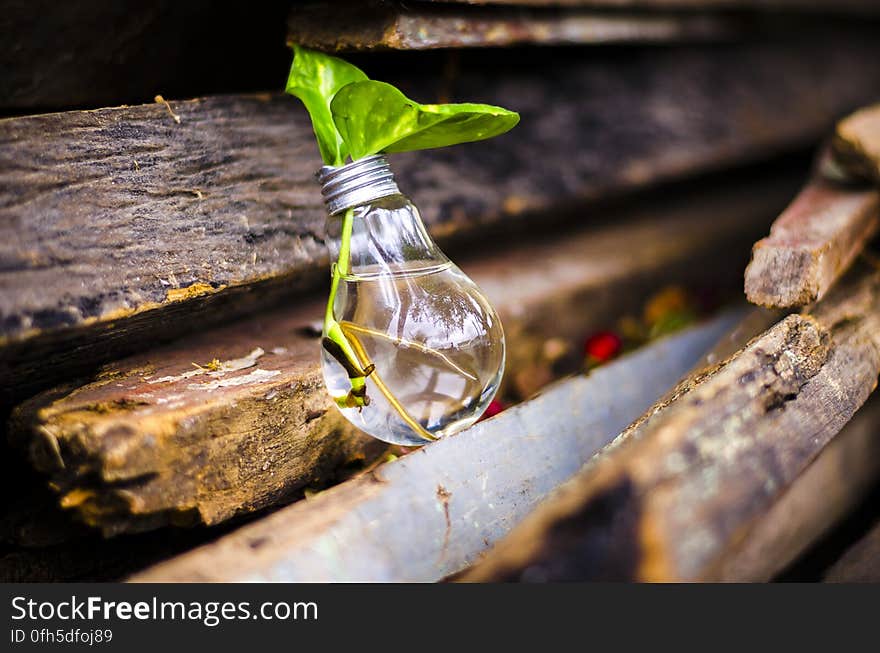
(340, 347)
(335, 342)
(343, 263)
(403, 342)
(408, 419)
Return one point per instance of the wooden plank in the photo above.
(119, 226)
(127, 449)
(819, 235)
(111, 55)
(680, 491)
(856, 144)
(811, 244)
(431, 513)
(155, 440)
(837, 481)
(356, 26)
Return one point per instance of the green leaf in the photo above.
(375, 117)
(315, 78)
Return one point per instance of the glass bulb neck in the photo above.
(357, 183)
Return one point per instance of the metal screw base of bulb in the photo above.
(356, 183)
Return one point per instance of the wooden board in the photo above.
(811, 244)
(120, 227)
(677, 494)
(827, 225)
(822, 496)
(355, 26)
(431, 513)
(127, 450)
(110, 55)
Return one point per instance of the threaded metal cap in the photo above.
(356, 183)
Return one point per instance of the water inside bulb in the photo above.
(436, 343)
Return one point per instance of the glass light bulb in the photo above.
(435, 341)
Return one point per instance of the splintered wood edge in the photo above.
(803, 257)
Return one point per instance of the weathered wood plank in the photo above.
(811, 244)
(431, 513)
(833, 484)
(856, 144)
(119, 225)
(355, 26)
(819, 235)
(681, 489)
(110, 55)
(134, 441)
(155, 440)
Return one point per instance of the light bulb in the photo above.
(430, 344)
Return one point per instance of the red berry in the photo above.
(494, 407)
(602, 346)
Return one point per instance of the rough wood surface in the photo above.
(120, 225)
(837, 481)
(155, 440)
(811, 244)
(681, 490)
(353, 26)
(856, 144)
(128, 450)
(431, 513)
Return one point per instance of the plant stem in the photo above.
(345, 354)
(403, 342)
(342, 265)
(386, 391)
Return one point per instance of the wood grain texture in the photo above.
(811, 244)
(356, 26)
(119, 226)
(154, 440)
(431, 513)
(681, 489)
(835, 483)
